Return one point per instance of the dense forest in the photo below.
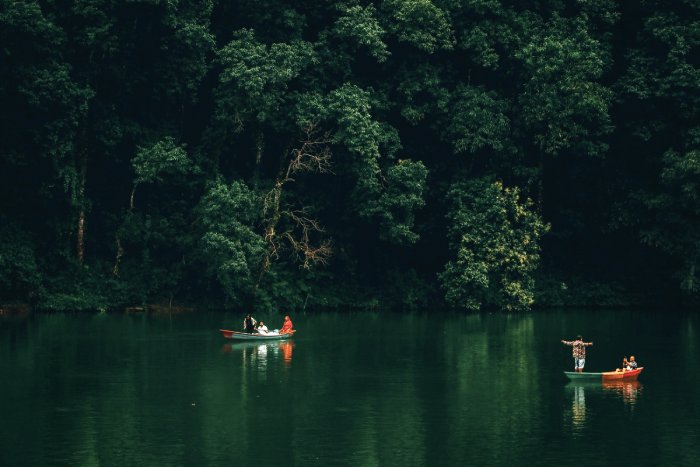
(396, 154)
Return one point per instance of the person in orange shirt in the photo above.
(287, 326)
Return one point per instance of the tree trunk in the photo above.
(117, 260)
(270, 234)
(131, 198)
(80, 244)
(690, 279)
(259, 146)
(540, 185)
(120, 248)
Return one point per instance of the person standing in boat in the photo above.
(287, 326)
(579, 352)
(249, 324)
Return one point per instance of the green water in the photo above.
(350, 389)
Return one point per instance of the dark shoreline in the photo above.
(159, 309)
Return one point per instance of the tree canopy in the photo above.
(403, 153)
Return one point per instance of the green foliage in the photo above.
(421, 92)
(229, 248)
(359, 25)
(19, 273)
(165, 157)
(662, 65)
(407, 290)
(392, 195)
(401, 196)
(350, 106)
(283, 289)
(562, 101)
(255, 77)
(419, 23)
(494, 237)
(83, 289)
(675, 210)
(662, 78)
(190, 42)
(35, 79)
(575, 292)
(489, 33)
(196, 108)
(76, 295)
(478, 121)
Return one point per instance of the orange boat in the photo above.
(627, 375)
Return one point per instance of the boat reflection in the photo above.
(628, 391)
(578, 406)
(578, 413)
(257, 354)
(287, 347)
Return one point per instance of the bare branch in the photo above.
(317, 255)
(310, 255)
(312, 156)
(305, 223)
(271, 200)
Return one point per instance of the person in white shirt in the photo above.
(262, 329)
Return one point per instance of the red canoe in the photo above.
(628, 375)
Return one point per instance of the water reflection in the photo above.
(287, 347)
(257, 354)
(628, 391)
(578, 407)
(578, 413)
(483, 390)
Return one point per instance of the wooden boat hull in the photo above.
(630, 375)
(244, 336)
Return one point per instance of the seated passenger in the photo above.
(632, 364)
(287, 326)
(262, 329)
(624, 365)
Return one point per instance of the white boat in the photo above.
(245, 336)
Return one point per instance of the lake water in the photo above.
(359, 389)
